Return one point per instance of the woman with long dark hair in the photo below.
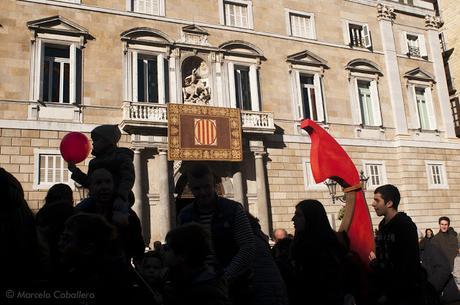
(426, 240)
(316, 258)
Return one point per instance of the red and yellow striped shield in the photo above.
(205, 132)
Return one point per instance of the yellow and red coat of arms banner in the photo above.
(204, 133)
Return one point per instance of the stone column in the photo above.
(138, 206)
(262, 196)
(174, 96)
(432, 24)
(386, 15)
(161, 79)
(238, 190)
(164, 207)
(253, 83)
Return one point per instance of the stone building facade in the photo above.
(369, 72)
(449, 10)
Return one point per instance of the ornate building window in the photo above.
(363, 83)
(413, 45)
(56, 74)
(300, 24)
(419, 87)
(146, 65)
(241, 62)
(357, 35)
(57, 60)
(307, 70)
(236, 13)
(151, 7)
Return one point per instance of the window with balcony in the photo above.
(236, 13)
(50, 168)
(150, 7)
(357, 35)
(146, 67)
(300, 24)
(243, 88)
(148, 77)
(242, 61)
(413, 45)
(436, 173)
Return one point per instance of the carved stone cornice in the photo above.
(433, 22)
(385, 12)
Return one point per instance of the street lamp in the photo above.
(332, 187)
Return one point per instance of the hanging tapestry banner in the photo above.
(204, 133)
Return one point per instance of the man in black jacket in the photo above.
(446, 239)
(396, 261)
(232, 240)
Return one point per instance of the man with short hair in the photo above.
(446, 239)
(232, 240)
(396, 261)
(279, 234)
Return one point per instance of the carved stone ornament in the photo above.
(194, 35)
(433, 22)
(196, 86)
(385, 12)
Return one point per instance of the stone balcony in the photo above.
(142, 117)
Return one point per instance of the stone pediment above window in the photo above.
(193, 34)
(59, 25)
(307, 58)
(364, 66)
(146, 36)
(242, 49)
(195, 29)
(420, 75)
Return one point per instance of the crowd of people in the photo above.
(217, 254)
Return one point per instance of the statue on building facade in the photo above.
(196, 89)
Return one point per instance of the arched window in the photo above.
(146, 65)
(242, 61)
(363, 84)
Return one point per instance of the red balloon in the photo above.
(75, 147)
